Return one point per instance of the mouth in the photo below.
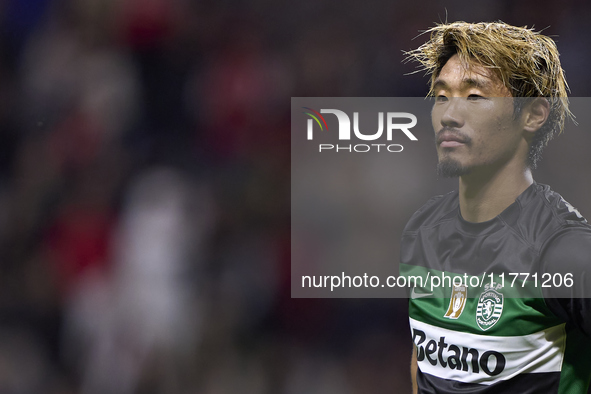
(449, 139)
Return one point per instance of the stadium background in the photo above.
(144, 188)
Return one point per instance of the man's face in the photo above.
(473, 119)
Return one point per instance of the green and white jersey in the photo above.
(502, 306)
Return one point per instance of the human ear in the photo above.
(535, 114)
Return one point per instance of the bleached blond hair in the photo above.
(524, 60)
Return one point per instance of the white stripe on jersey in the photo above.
(499, 357)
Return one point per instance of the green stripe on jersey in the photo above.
(511, 315)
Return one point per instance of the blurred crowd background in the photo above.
(145, 193)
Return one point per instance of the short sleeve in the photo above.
(566, 276)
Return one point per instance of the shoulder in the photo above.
(543, 216)
(435, 210)
(566, 223)
(562, 210)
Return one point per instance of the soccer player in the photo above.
(499, 97)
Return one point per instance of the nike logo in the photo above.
(414, 294)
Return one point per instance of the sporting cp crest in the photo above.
(490, 306)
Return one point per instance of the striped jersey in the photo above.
(500, 306)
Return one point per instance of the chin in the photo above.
(449, 168)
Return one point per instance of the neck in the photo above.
(483, 196)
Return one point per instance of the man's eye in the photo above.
(441, 98)
(475, 97)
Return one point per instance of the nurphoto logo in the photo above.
(395, 122)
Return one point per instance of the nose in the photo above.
(452, 115)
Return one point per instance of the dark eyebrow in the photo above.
(477, 83)
(466, 83)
